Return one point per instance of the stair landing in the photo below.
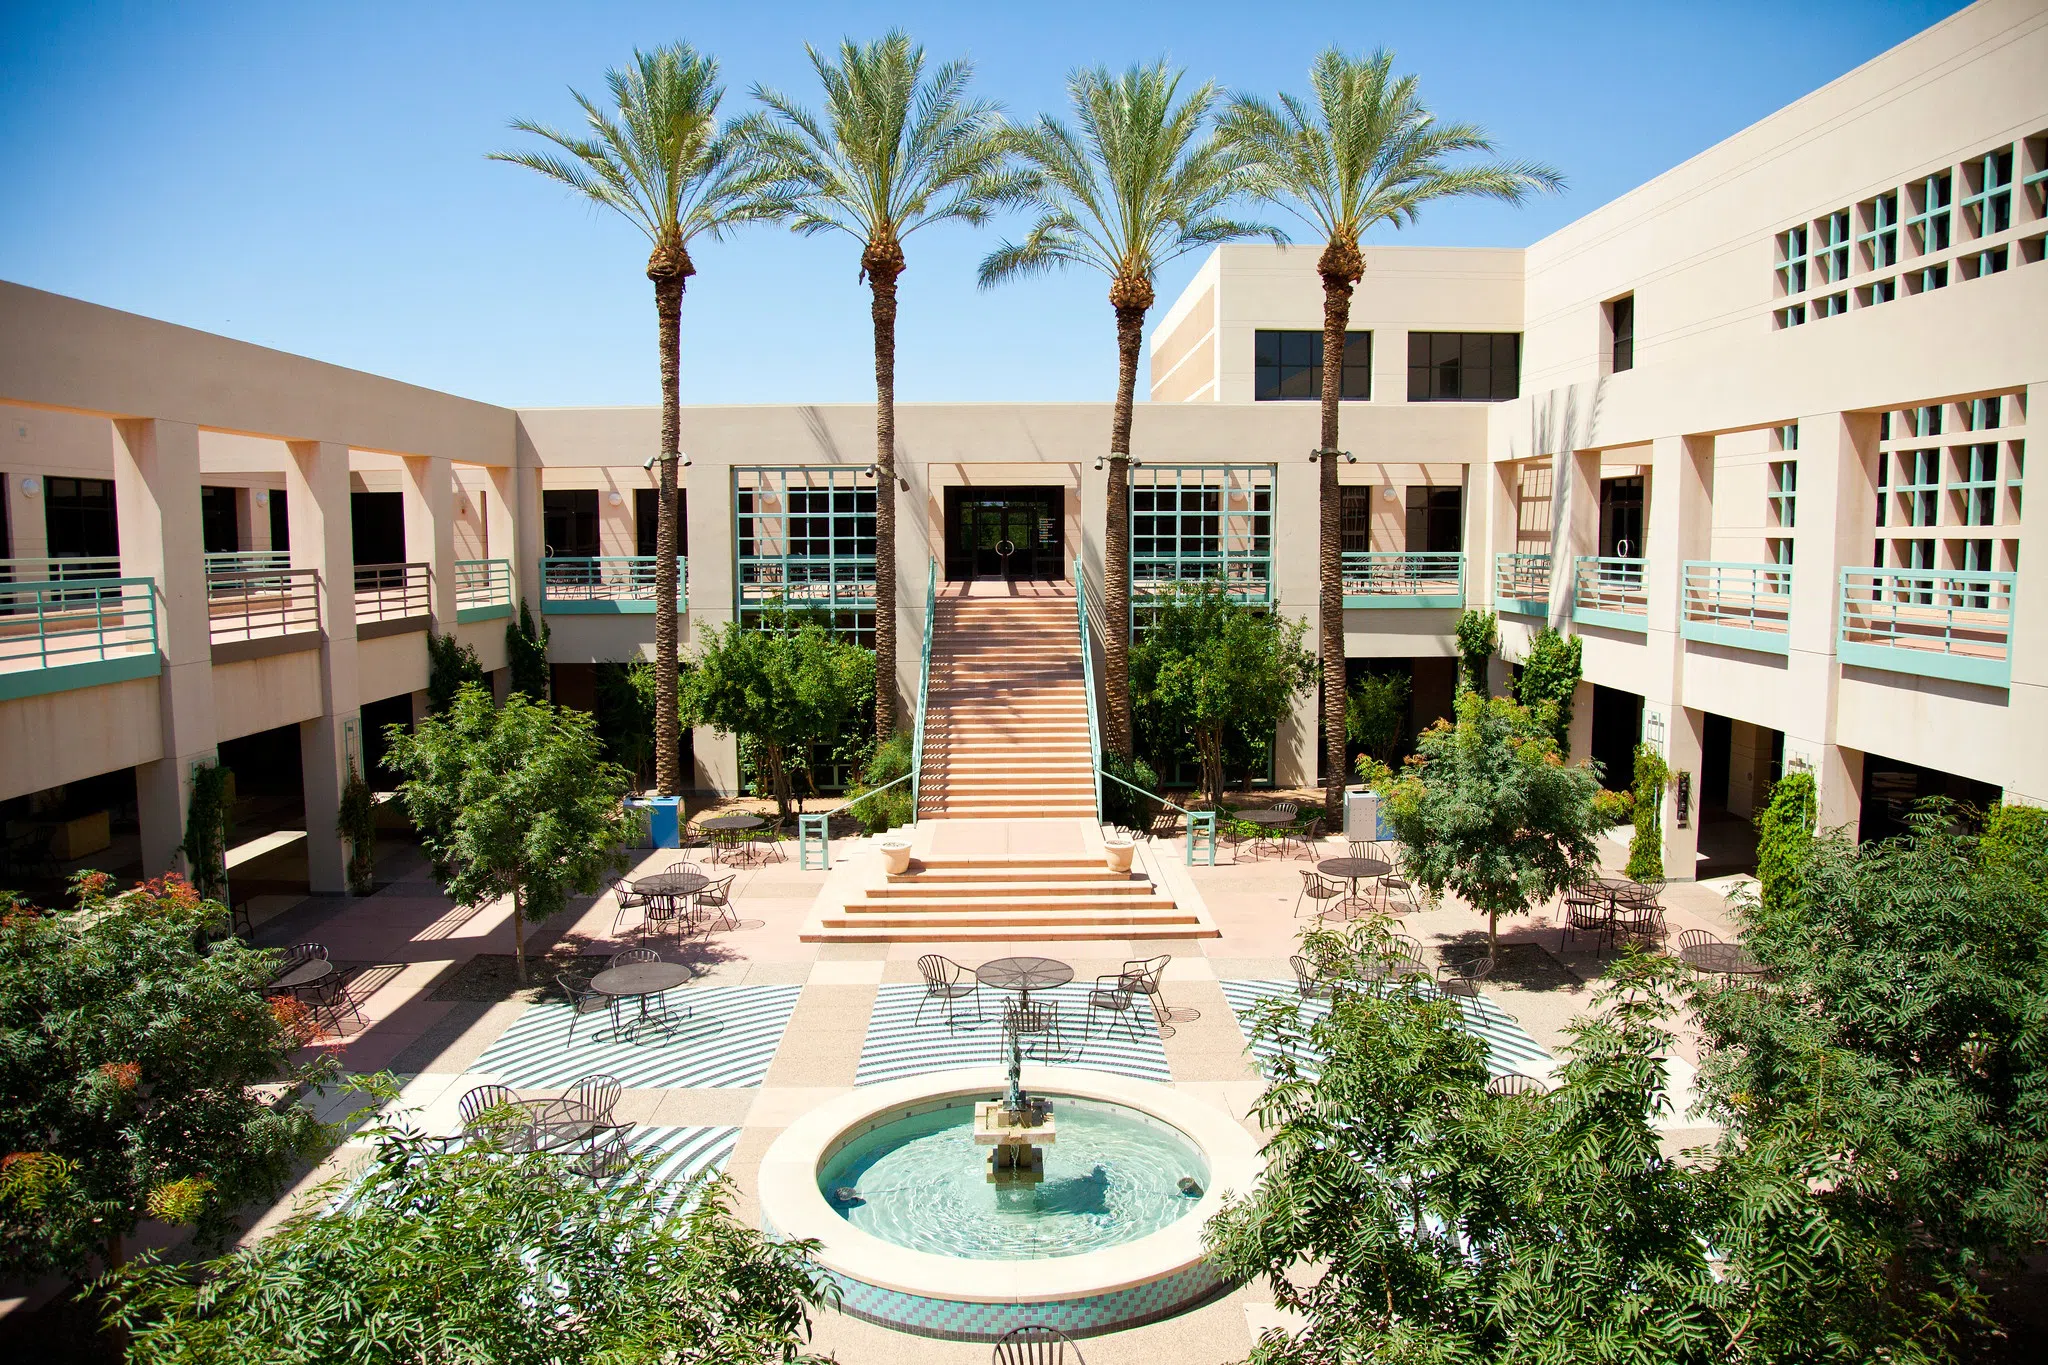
(1005, 881)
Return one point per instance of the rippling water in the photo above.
(1112, 1176)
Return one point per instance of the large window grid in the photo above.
(1949, 483)
(1464, 367)
(1202, 524)
(1289, 366)
(804, 538)
(1979, 216)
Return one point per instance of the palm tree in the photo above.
(1363, 151)
(1141, 182)
(662, 160)
(894, 152)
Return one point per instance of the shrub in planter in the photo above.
(1646, 850)
(890, 761)
(1121, 805)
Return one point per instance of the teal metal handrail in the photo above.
(1088, 680)
(1247, 578)
(40, 570)
(1521, 583)
(1420, 578)
(1936, 623)
(1748, 606)
(230, 561)
(604, 584)
(924, 690)
(1611, 591)
(483, 588)
(57, 635)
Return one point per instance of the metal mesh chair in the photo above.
(1306, 838)
(1463, 978)
(716, 901)
(1319, 889)
(599, 1094)
(1036, 1344)
(1037, 1020)
(627, 900)
(1308, 983)
(1586, 912)
(1144, 975)
(946, 981)
(1111, 995)
(583, 1000)
(1514, 1085)
(631, 955)
(604, 1154)
(487, 1118)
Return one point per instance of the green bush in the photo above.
(1784, 836)
(1376, 714)
(357, 822)
(2016, 837)
(450, 664)
(1550, 679)
(1646, 850)
(1478, 642)
(889, 761)
(526, 654)
(1614, 808)
(1121, 805)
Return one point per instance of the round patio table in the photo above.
(1623, 891)
(1721, 959)
(719, 824)
(1023, 974)
(1267, 816)
(555, 1124)
(1354, 870)
(671, 884)
(311, 972)
(640, 981)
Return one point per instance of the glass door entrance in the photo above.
(1004, 533)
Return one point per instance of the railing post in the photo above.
(809, 828)
(1201, 836)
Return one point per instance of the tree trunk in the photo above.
(883, 262)
(1340, 266)
(668, 267)
(1492, 935)
(1131, 297)
(518, 938)
(1212, 766)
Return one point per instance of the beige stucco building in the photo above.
(1755, 431)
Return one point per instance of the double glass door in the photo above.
(1003, 534)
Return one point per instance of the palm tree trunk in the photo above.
(883, 262)
(1131, 298)
(518, 937)
(668, 308)
(1340, 266)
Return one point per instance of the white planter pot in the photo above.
(896, 854)
(1117, 853)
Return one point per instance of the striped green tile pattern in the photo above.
(898, 1045)
(726, 1043)
(1509, 1048)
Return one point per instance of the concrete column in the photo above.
(156, 498)
(1490, 520)
(515, 528)
(1581, 735)
(1574, 526)
(428, 486)
(2026, 777)
(1680, 527)
(1837, 501)
(419, 706)
(317, 487)
(1297, 591)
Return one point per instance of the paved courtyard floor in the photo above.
(776, 1025)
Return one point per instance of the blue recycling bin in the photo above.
(664, 820)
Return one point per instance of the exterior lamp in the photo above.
(1315, 455)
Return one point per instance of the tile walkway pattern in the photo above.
(1509, 1047)
(897, 1045)
(726, 1043)
(676, 1155)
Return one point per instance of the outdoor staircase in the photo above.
(1008, 731)
(1009, 898)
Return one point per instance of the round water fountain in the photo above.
(932, 1220)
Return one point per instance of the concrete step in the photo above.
(979, 917)
(976, 874)
(1089, 889)
(1079, 933)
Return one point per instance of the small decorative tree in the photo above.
(1493, 812)
(516, 802)
(129, 1072)
(451, 665)
(1478, 642)
(1207, 665)
(206, 831)
(787, 685)
(625, 714)
(357, 823)
(1550, 680)
(1646, 849)
(1784, 836)
(526, 654)
(1376, 717)
(476, 1255)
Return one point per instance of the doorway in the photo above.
(1621, 518)
(1005, 533)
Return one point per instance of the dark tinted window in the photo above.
(219, 532)
(569, 522)
(1436, 518)
(1355, 518)
(1289, 365)
(647, 516)
(1621, 315)
(1464, 367)
(78, 518)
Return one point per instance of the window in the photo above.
(1930, 225)
(1436, 519)
(1920, 484)
(1355, 518)
(1464, 367)
(1978, 486)
(1621, 326)
(1289, 365)
(280, 521)
(1990, 207)
(219, 525)
(647, 520)
(1982, 263)
(1878, 291)
(569, 522)
(1983, 414)
(1197, 523)
(1792, 316)
(806, 539)
(1831, 305)
(1831, 246)
(1792, 260)
(78, 518)
(1784, 494)
(1926, 281)
(1881, 243)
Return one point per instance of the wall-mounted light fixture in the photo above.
(30, 486)
(1317, 454)
(263, 497)
(874, 471)
(1389, 493)
(614, 497)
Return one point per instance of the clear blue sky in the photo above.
(312, 177)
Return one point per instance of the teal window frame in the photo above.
(1985, 414)
(1977, 481)
(1792, 316)
(1932, 223)
(1990, 208)
(1831, 305)
(1920, 484)
(1203, 523)
(1881, 244)
(1792, 260)
(818, 557)
(1831, 246)
(1784, 492)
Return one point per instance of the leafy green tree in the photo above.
(1646, 848)
(1361, 152)
(205, 845)
(1478, 641)
(1410, 1216)
(1208, 665)
(1376, 717)
(663, 160)
(890, 761)
(1135, 184)
(526, 654)
(1550, 681)
(1493, 812)
(472, 1255)
(1784, 838)
(625, 714)
(356, 822)
(787, 686)
(1898, 1067)
(2016, 837)
(514, 802)
(129, 1061)
(451, 666)
(896, 150)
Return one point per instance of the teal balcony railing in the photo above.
(924, 690)
(1419, 579)
(1936, 624)
(828, 583)
(1611, 591)
(1744, 606)
(606, 585)
(72, 570)
(231, 561)
(59, 634)
(483, 589)
(1521, 584)
(393, 597)
(1249, 578)
(1088, 679)
(250, 604)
